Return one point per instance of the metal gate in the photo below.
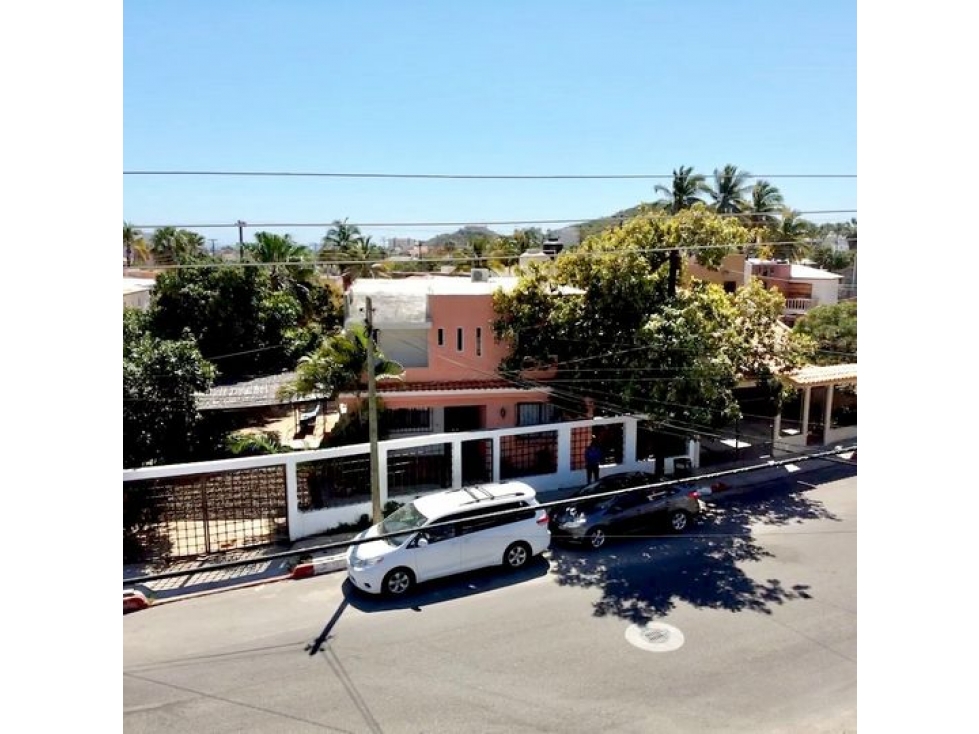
(202, 514)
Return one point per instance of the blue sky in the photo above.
(495, 88)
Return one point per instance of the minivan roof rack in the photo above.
(471, 491)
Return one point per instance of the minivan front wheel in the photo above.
(596, 538)
(516, 555)
(398, 582)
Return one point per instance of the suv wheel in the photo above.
(679, 521)
(398, 582)
(516, 555)
(596, 538)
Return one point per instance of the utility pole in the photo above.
(372, 417)
(213, 241)
(241, 241)
(674, 272)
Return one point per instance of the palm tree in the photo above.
(134, 245)
(729, 190)
(505, 254)
(176, 246)
(340, 235)
(685, 191)
(361, 258)
(278, 249)
(793, 235)
(339, 363)
(766, 202)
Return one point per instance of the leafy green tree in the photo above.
(833, 329)
(694, 231)
(604, 313)
(240, 319)
(161, 424)
(730, 190)
(685, 191)
(830, 259)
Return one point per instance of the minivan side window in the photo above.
(475, 524)
(435, 535)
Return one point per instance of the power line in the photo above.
(465, 259)
(470, 223)
(458, 176)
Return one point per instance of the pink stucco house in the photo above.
(440, 329)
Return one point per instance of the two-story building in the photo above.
(804, 287)
(440, 328)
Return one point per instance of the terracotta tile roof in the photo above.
(812, 375)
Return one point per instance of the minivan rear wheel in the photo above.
(679, 521)
(398, 582)
(516, 555)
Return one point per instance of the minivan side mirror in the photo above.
(421, 541)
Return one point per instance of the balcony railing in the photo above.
(799, 304)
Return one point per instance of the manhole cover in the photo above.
(654, 636)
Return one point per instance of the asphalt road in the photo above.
(760, 599)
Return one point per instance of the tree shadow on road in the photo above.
(446, 589)
(643, 578)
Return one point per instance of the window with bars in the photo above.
(534, 414)
(405, 420)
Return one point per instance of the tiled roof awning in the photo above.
(255, 393)
(822, 375)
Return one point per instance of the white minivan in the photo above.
(485, 525)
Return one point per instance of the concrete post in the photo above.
(827, 414)
(630, 431)
(807, 394)
(456, 464)
(496, 458)
(293, 516)
(564, 450)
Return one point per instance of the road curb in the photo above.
(317, 566)
(133, 601)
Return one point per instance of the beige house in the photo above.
(137, 292)
(804, 287)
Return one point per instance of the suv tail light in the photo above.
(542, 520)
(695, 495)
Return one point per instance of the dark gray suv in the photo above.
(592, 522)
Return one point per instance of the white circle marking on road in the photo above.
(654, 637)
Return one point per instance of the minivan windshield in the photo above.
(405, 518)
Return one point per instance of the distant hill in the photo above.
(567, 236)
(594, 226)
(461, 237)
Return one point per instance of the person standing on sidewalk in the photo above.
(593, 458)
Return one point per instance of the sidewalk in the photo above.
(278, 569)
